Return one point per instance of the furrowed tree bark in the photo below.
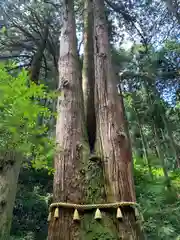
(9, 173)
(112, 129)
(69, 131)
(88, 74)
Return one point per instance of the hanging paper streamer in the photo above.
(119, 214)
(76, 215)
(98, 214)
(56, 213)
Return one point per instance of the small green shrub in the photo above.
(21, 109)
(160, 207)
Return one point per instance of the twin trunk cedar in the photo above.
(112, 135)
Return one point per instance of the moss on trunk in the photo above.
(100, 230)
(95, 193)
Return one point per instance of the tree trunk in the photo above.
(69, 132)
(167, 128)
(88, 74)
(144, 143)
(9, 173)
(171, 141)
(38, 57)
(113, 136)
(161, 157)
(94, 184)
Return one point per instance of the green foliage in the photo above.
(21, 109)
(31, 206)
(161, 207)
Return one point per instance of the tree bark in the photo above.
(88, 74)
(113, 136)
(38, 57)
(9, 173)
(69, 131)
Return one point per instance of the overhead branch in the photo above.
(120, 8)
(53, 4)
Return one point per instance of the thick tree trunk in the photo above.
(94, 181)
(9, 172)
(88, 74)
(112, 129)
(69, 131)
(38, 57)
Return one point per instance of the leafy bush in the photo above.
(161, 207)
(31, 206)
(21, 109)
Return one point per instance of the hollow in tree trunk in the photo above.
(88, 74)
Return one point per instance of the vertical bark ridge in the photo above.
(69, 131)
(112, 129)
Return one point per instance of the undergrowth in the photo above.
(160, 208)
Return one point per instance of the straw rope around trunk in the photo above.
(98, 216)
(93, 206)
